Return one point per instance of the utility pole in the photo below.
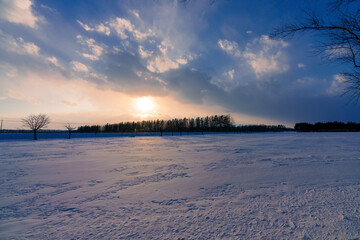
(1, 124)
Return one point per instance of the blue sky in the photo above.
(93, 61)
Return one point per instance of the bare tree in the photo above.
(339, 35)
(36, 122)
(70, 128)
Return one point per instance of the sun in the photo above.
(144, 104)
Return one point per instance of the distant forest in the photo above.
(216, 123)
(328, 127)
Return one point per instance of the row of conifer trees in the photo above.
(215, 123)
(327, 127)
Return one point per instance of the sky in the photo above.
(93, 62)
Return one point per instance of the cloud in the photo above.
(135, 13)
(301, 65)
(94, 50)
(191, 86)
(49, 9)
(16, 94)
(13, 94)
(20, 46)
(31, 48)
(340, 51)
(262, 64)
(79, 67)
(226, 81)
(143, 53)
(267, 42)
(85, 26)
(166, 58)
(69, 103)
(230, 47)
(141, 36)
(18, 11)
(56, 93)
(337, 85)
(8, 69)
(159, 49)
(101, 28)
(182, 61)
(161, 64)
(90, 56)
(126, 72)
(53, 60)
(305, 81)
(265, 56)
(122, 26)
(231, 74)
(3, 98)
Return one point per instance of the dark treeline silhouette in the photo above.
(216, 123)
(262, 128)
(328, 127)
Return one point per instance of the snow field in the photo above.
(231, 186)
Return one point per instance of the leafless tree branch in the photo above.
(340, 34)
(70, 128)
(36, 122)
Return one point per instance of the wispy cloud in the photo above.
(226, 81)
(53, 60)
(18, 11)
(161, 62)
(144, 53)
(124, 28)
(231, 74)
(16, 94)
(230, 47)
(69, 103)
(93, 50)
(301, 65)
(135, 13)
(101, 28)
(18, 45)
(8, 69)
(265, 56)
(337, 85)
(79, 67)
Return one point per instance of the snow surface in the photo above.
(230, 186)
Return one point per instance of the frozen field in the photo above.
(233, 186)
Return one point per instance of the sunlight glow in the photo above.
(144, 104)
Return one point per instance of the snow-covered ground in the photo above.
(230, 186)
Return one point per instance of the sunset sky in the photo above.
(92, 62)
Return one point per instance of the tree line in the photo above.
(327, 127)
(215, 123)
